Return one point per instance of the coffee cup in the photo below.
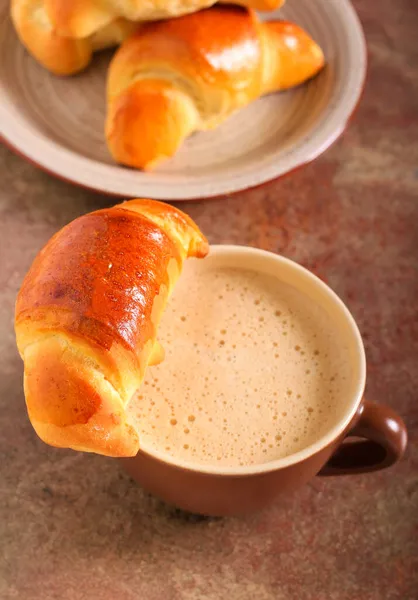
(364, 436)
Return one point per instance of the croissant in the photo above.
(63, 34)
(86, 320)
(60, 54)
(178, 76)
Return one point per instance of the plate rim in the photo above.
(223, 186)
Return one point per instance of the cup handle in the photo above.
(384, 441)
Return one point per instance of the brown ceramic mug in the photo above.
(365, 436)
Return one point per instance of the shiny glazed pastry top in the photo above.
(63, 34)
(87, 316)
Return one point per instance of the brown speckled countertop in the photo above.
(74, 527)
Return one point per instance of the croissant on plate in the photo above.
(63, 34)
(174, 77)
(87, 316)
(59, 53)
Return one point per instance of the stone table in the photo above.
(74, 527)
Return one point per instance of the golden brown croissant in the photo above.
(86, 320)
(63, 34)
(178, 76)
(60, 54)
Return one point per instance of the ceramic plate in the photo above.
(58, 122)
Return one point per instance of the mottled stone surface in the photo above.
(74, 527)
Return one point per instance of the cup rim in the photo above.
(325, 440)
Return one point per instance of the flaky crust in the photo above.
(86, 320)
(81, 18)
(60, 54)
(181, 75)
(63, 34)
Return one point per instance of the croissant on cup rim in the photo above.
(86, 321)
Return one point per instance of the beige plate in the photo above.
(58, 122)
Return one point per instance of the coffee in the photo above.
(252, 373)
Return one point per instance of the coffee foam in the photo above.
(252, 371)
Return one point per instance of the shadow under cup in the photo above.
(363, 437)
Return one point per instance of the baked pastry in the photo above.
(60, 54)
(86, 320)
(63, 34)
(174, 77)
